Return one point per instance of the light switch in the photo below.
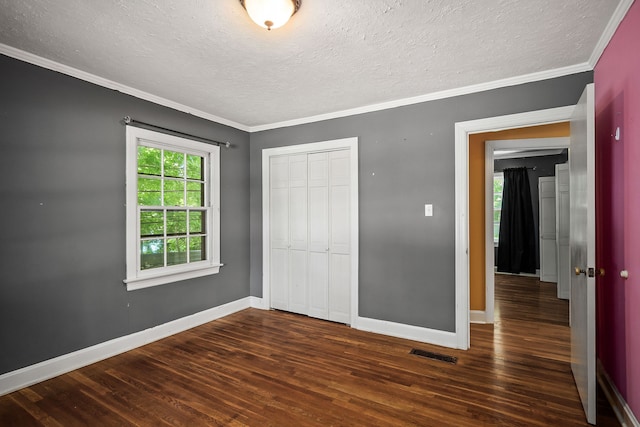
(428, 210)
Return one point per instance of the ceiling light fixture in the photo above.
(271, 13)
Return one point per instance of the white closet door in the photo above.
(547, 228)
(279, 232)
(339, 237)
(562, 230)
(319, 235)
(298, 233)
(310, 260)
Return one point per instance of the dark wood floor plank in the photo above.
(271, 368)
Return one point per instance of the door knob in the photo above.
(624, 274)
(579, 271)
(601, 272)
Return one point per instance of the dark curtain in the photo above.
(516, 243)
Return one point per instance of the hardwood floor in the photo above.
(270, 368)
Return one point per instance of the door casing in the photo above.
(462, 132)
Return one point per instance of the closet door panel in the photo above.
(298, 202)
(298, 281)
(319, 285)
(318, 169)
(279, 232)
(340, 167)
(279, 172)
(318, 219)
(298, 217)
(279, 217)
(339, 202)
(340, 233)
(279, 278)
(339, 290)
(298, 170)
(318, 235)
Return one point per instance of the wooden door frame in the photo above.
(462, 132)
(314, 147)
(490, 147)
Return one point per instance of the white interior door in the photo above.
(582, 243)
(547, 228)
(562, 230)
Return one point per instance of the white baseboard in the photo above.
(477, 316)
(619, 405)
(29, 375)
(415, 333)
(257, 302)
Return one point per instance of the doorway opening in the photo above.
(463, 131)
(526, 148)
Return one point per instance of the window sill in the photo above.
(495, 244)
(146, 282)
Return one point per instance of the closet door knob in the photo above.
(578, 271)
(624, 274)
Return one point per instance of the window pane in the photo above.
(176, 222)
(496, 216)
(497, 185)
(149, 192)
(496, 231)
(151, 223)
(197, 222)
(195, 194)
(497, 202)
(173, 164)
(173, 193)
(195, 169)
(151, 254)
(197, 249)
(177, 251)
(149, 161)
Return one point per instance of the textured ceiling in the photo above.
(333, 55)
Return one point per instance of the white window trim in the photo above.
(136, 278)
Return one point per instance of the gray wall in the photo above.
(545, 166)
(407, 272)
(62, 257)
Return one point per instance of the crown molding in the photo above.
(465, 90)
(609, 31)
(110, 84)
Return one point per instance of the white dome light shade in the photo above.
(270, 14)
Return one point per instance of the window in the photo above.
(498, 182)
(173, 214)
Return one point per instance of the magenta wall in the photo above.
(617, 85)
